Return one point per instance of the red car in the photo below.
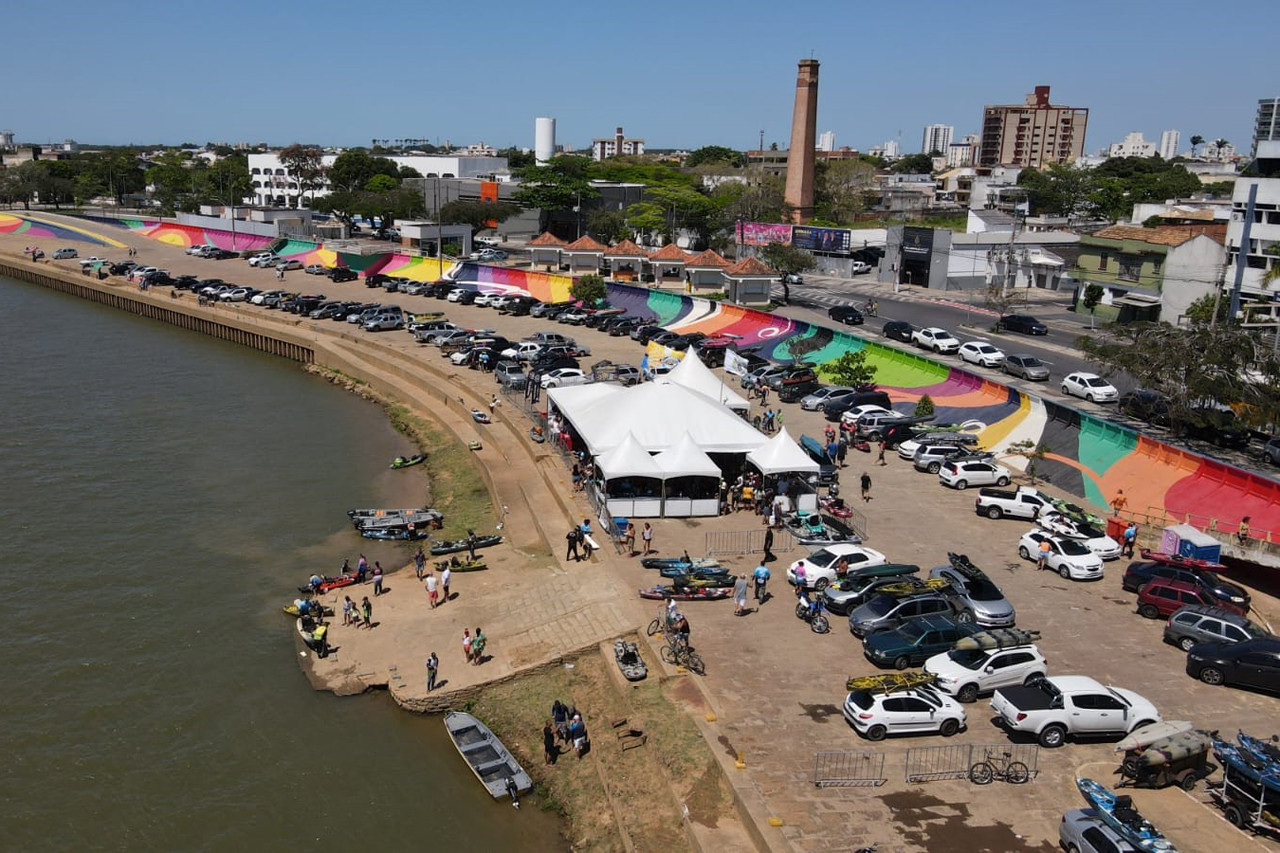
(1163, 596)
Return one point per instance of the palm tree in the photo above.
(1196, 142)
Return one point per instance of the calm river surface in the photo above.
(161, 495)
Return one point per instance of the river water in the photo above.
(161, 495)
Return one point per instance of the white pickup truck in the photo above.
(1076, 705)
(1026, 502)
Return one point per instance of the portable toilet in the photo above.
(1185, 541)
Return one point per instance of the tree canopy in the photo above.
(716, 154)
(477, 214)
(851, 369)
(1109, 190)
(589, 289)
(914, 164)
(352, 170)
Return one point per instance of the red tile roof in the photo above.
(670, 252)
(709, 258)
(584, 244)
(1164, 235)
(546, 238)
(626, 249)
(751, 266)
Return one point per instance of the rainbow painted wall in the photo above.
(34, 225)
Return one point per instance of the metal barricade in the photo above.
(931, 763)
(724, 542)
(845, 769)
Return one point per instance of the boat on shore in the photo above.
(485, 755)
(408, 462)
(453, 546)
(703, 593)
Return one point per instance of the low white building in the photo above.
(273, 185)
(1134, 145)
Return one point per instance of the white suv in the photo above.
(933, 338)
(918, 709)
(965, 673)
(961, 474)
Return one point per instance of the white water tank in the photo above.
(544, 140)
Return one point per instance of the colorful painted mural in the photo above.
(548, 287)
(37, 226)
(186, 236)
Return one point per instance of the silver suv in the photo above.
(929, 457)
(975, 597)
(889, 611)
(1271, 453)
(1197, 623)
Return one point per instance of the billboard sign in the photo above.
(762, 233)
(917, 242)
(830, 240)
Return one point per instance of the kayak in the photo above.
(889, 681)
(629, 660)
(681, 571)
(1174, 748)
(1075, 512)
(932, 584)
(453, 546)
(402, 462)
(456, 565)
(397, 534)
(1179, 560)
(329, 584)
(314, 636)
(997, 638)
(706, 593)
(1147, 735)
(683, 562)
(1242, 760)
(296, 608)
(698, 581)
(1118, 813)
(1268, 751)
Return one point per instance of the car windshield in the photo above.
(1096, 382)
(967, 658)
(913, 630)
(1073, 548)
(1254, 631)
(822, 558)
(983, 590)
(1030, 361)
(986, 350)
(881, 605)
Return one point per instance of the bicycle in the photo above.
(677, 652)
(1013, 772)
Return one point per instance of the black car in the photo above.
(519, 308)
(543, 366)
(1217, 424)
(643, 334)
(1145, 405)
(1024, 323)
(1140, 573)
(1252, 663)
(158, 278)
(683, 342)
(846, 314)
(342, 274)
(438, 289)
(834, 409)
(794, 393)
(376, 280)
(899, 330)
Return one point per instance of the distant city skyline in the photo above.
(721, 81)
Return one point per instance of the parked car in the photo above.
(981, 353)
(820, 566)
(966, 673)
(1056, 707)
(265, 259)
(1162, 597)
(859, 267)
(1140, 573)
(64, 254)
(931, 457)
(511, 374)
(939, 340)
(1215, 422)
(846, 314)
(1271, 452)
(1090, 386)
(898, 330)
(848, 593)
(1253, 663)
(820, 396)
(608, 371)
(914, 642)
(564, 376)
(1145, 405)
(289, 264)
(796, 374)
(1025, 502)
(1093, 538)
(338, 274)
(1024, 323)
(1196, 623)
(919, 709)
(889, 611)
(1082, 831)
(1068, 557)
(836, 409)
(796, 393)
(873, 424)
(316, 269)
(1027, 366)
(963, 473)
(974, 596)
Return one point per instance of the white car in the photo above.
(264, 260)
(564, 376)
(139, 273)
(456, 294)
(199, 249)
(502, 300)
(982, 354)
(918, 709)
(963, 473)
(933, 338)
(850, 418)
(483, 299)
(523, 351)
(1094, 539)
(859, 267)
(1091, 387)
(820, 566)
(84, 262)
(965, 673)
(261, 298)
(289, 264)
(316, 269)
(1068, 557)
(237, 294)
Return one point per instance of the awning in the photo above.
(628, 459)
(1137, 300)
(685, 459)
(1045, 260)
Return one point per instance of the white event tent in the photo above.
(781, 455)
(696, 376)
(691, 480)
(632, 480)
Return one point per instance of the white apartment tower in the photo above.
(827, 140)
(544, 140)
(1169, 144)
(937, 137)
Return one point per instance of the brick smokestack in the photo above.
(804, 129)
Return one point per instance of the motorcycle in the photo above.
(811, 611)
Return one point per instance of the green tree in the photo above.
(560, 185)
(1196, 142)
(381, 184)
(914, 164)
(924, 406)
(851, 369)
(842, 190)
(1093, 294)
(352, 170)
(715, 154)
(1203, 310)
(305, 164)
(787, 260)
(761, 199)
(590, 289)
(608, 225)
(477, 214)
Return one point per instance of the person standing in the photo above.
(362, 568)
(866, 487)
(477, 646)
(1043, 559)
(761, 578)
(433, 666)
(1129, 539)
(419, 562)
(431, 588)
(880, 454)
(842, 450)
(1119, 502)
(366, 610)
(571, 545)
(740, 595)
(647, 536)
(768, 545)
(630, 538)
(445, 577)
(1242, 532)
(348, 610)
(549, 749)
(466, 643)
(377, 578)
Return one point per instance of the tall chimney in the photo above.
(804, 128)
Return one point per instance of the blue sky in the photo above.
(677, 74)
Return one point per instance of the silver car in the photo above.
(889, 611)
(1082, 831)
(975, 597)
(1026, 366)
(819, 398)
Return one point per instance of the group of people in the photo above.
(769, 421)
(578, 542)
(361, 617)
(473, 646)
(564, 726)
(437, 588)
(646, 537)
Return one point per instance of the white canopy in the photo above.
(659, 415)
(629, 459)
(686, 460)
(696, 376)
(781, 455)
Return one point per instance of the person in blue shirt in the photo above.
(1129, 539)
(761, 578)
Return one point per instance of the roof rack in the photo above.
(964, 438)
(889, 682)
(962, 564)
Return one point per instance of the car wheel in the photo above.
(1066, 390)
(1064, 572)
(965, 615)
(994, 512)
(1212, 675)
(1090, 398)
(1002, 482)
(1053, 736)
(949, 728)
(1149, 611)
(1071, 848)
(961, 485)
(937, 349)
(1186, 643)
(1023, 552)
(967, 694)
(820, 584)
(935, 467)
(1032, 679)
(876, 733)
